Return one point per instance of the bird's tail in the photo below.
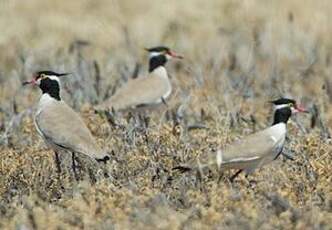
(182, 168)
(206, 160)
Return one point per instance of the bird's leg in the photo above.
(74, 166)
(235, 175)
(164, 101)
(145, 123)
(199, 178)
(57, 163)
(110, 118)
(220, 177)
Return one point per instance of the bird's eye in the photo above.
(291, 104)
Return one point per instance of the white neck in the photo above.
(160, 72)
(281, 124)
(45, 100)
(279, 129)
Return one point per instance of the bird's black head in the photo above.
(284, 108)
(48, 82)
(49, 73)
(284, 101)
(159, 56)
(158, 49)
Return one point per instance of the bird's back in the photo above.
(256, 145)
(62, 126)
(248, 153)
(140, 91)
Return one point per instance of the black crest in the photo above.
(158, 49)
(283, 101)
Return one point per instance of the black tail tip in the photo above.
(104, 159)
(182, 169)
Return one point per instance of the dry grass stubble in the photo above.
(238, 56)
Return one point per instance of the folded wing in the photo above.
(62, 126)
(140, 91)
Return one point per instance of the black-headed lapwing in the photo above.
(144, 91)
(255, 150)
(59, 125)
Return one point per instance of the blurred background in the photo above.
(279, 45)
(238, 56)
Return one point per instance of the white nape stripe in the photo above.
(243, 159)
(153, 54)
(219, 158)
(281, 106)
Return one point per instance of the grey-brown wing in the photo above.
(252, 147)
(64, 127)
(139, 91)
(245, 153)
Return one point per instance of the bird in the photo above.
(59, 125)
(253, 151)
(151, 90)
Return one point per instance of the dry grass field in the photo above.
(238, 56)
